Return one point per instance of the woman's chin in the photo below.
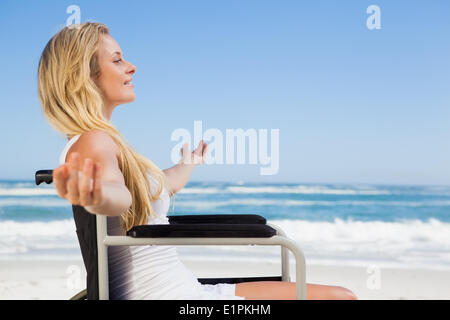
(130, 98)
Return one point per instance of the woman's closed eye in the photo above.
(117, 61)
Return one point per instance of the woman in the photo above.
(82, 78)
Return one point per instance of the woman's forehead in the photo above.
(109, 46)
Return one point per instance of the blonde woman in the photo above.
(82, 77)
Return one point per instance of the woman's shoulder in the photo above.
(95, 141)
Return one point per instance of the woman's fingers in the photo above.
(200, 153)
(72, 183)
(199, 148)
(97, 197)
(60, 179)
(185, 149)
(202, 148)
(185, 154)
(205, 151)
(79, 183)
(195, 157)
(85, 183)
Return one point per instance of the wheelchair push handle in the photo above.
(44, 176)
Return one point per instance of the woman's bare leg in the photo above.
(274, 290)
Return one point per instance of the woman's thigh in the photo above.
(277, 290)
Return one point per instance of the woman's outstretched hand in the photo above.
(79, 183)
(196, 157)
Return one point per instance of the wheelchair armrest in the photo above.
(206, 230)
(218, 219)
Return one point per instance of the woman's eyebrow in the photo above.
(117, 52)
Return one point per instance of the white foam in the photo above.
(410, 243)
(299, 203)
(27, 192)
(35, 202)
(301, 189)
(29, 237)
(407, 244)
(59, 202)
(200, 191)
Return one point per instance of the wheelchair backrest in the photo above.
(86, 227)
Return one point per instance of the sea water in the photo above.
(334, 224)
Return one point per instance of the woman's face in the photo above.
(115, 74)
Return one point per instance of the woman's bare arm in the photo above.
(91, 176)
(179, 175)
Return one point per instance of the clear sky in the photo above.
(352, 105)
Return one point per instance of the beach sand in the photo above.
(31, 279)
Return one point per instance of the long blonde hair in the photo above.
(72, 103)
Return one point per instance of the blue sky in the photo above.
(352, 105)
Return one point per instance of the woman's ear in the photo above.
(94, 67)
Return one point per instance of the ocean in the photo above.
(334, 224)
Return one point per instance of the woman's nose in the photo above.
(131, 68)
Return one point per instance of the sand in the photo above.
(56, 280)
